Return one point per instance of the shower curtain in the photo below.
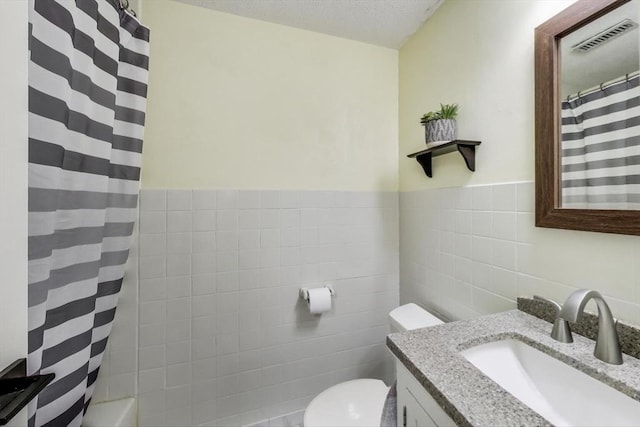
(88, 74)
(601, 147)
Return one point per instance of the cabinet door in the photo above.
(416, 407)
(412, 415)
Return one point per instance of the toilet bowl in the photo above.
(359, 403)
(351, 403)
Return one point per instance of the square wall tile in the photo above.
(505, 283)
(152, 312)
(248, 219)
(269, 218)
(248, 239)
(249, 199)
(151, 357)
(178, 374)
(481, 249)
(178, 352)
(227, 199)
(179, 243)
(504, 225)
(269, 199)
(481, 198)
(204, 200)
(226, 261)
(178, 287)
(203, 220)
(504, 197)
(203, 285)
(153, 222)
(203, 241)
(150, 380)
(152, 289)
(289, 218)
(152, 267)
(203, 263)
(270, 238)
(226, 241)
(152, 334)
(503, 254)
(464, 198)
(153, 200)
(204, 306)
(178, 221)
(153, 244)
(463, 221)
(178, 330)
(481, 224)
(289, 199)
(179, 200)
(290, 237)
(178, 265)
(249, 259)
(178, 309)
(227, 220)
(227, 281)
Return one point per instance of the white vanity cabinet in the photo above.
(416, 407)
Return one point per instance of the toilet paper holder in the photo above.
(304, 292)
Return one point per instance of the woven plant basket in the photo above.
(440, 130)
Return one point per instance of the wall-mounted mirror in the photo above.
(587, 62)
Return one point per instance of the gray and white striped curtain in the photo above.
(88, 76)
(601, 147)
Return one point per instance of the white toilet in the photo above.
(359, 403)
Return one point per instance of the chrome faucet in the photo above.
(607, 343)
(561, 331)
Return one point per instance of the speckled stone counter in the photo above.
(472, 399)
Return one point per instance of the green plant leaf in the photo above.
(447, 111)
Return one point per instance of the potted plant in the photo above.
(440, 125)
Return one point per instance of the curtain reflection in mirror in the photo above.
(601, 146)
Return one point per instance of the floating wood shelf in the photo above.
(466, 148)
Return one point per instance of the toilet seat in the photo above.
(356, 403)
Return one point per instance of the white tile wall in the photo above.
(469, 251)
(117, 376)
(223, 338)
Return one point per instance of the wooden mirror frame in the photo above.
(547, 128)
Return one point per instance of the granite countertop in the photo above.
(472, 399)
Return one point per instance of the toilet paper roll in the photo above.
(319, 300)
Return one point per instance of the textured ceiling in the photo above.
(386, 23)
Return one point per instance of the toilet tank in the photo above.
(411, 316)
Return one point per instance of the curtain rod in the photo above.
(603, 86)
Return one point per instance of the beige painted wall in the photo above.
(478, 54)
(13, 184)
(241, 103)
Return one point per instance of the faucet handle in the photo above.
(561, 331)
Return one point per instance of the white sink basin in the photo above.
(560, 393)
